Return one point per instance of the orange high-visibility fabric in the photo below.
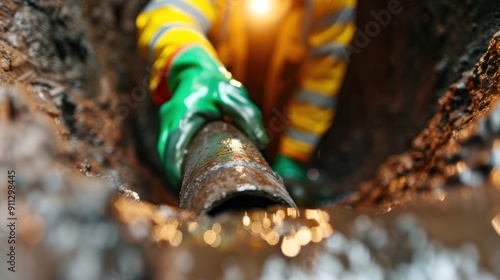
(313, 34)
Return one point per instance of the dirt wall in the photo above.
(394, 81)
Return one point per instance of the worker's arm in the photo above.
(188, 79)
(165, 28)
(312, 107)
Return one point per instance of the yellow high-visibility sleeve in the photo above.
(312, 108)
(166, 26)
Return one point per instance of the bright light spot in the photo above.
(256, 227)
(303, 236)
(168, 231)
(225, 73)
(264, 232)
(239, 169)
(156, 234)
(159, 218)
(234, 144)
(326, 229)
(217, 241)
(246, 220)
(216, 228)
(440, 194)
(278, 218)
(266, 222)
(311, 214)
(192, 226)
(316, 234)
(260, 7)
(176, 238)
(235, 83)
(496, 223)
(290, 247)
(184, 214)
(292, 212)
(210, 237)
(461, 166)
(323, 216)
(281, 214)
(272, 237)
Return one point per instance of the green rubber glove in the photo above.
(290, 169)
(305, 186)
(202, 91)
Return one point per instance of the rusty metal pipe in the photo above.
(223, 170)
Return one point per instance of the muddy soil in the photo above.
(393, 84)
(79, 65)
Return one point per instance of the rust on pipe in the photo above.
(223, 171)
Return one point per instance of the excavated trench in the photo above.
(412, 159)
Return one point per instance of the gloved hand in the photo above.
(202, 91)
(290, 169)
(306, 186)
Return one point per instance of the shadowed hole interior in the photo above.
(242, 202)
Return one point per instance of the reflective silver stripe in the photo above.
(225, 22)
(336, 50)
(163, 30)
(184, 6)
(341, 17)
(303, 136)
(306, 20)
(317, 99)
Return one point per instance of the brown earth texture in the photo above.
(412, 162)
